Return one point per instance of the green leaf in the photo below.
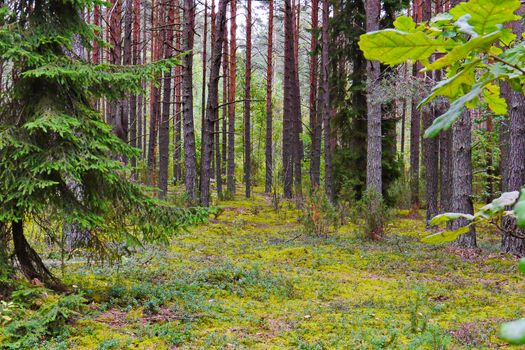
(405, 24)
(513, 332)
(445, 121)
(392, 46)
(452, 87)
(519, 210)
(492, 97)
(445, 236)
(441, 18)
(446, 217)
(460, 52)
(487, 16)
(465, 27)
(498, 205)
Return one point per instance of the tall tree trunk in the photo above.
(143, 99)
(415, 134)
(164, 130)
(225, 84)
(445, 164)
(177, 169)
(514, 169)
(430, 146)
(445, 149)
(247, 101)
(297, 148)
(135, 121)
(187, 98)
(462, 177)
(127, 60)
(96, 48)
(415, 126)
(204, 70)
(154, 99)
(513, 157)
(315, 125)
(140, 57)
(288, 100)
(373, 169)
(269, 110)
(221, 157)
(326, 108)
(431, 158)
(115, 57)
(231, 98)
(214, 125)
(211, 106)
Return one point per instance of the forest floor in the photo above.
(250, 280)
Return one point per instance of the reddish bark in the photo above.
(315, 121)
(247, 102)
(231, 97)
(269, 111)
(211, 105)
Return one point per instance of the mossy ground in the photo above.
(250, 280)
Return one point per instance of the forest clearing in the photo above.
(260, 174)
(248, 281)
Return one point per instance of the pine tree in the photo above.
(325, 107)
(164, 129)
(211, 105)
(269, 105)
(514, 169)
(315, 126)
(190, 161)
(247, 100)
(430, 146)
(288, 113)
(177, 120)
(231, 98)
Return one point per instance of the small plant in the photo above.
(399, 193)
(318, 214)
(433, 337)
(227, 195)
(418, 320)
(371, 214)
(151, 307)
(50, 319)
(6, 312)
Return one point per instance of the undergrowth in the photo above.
(242, 282)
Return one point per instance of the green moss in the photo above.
(249, 279)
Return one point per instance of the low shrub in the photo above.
(318, 215)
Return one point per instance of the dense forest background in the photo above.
(231, 153)
(278, 99)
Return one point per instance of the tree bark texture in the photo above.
(187, 99)
(462, 177)
(211, 105)
(373, 168)
(326, 108)
(269, 109)
(247, 101)
(231, 98)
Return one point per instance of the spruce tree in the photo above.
(59, 160)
